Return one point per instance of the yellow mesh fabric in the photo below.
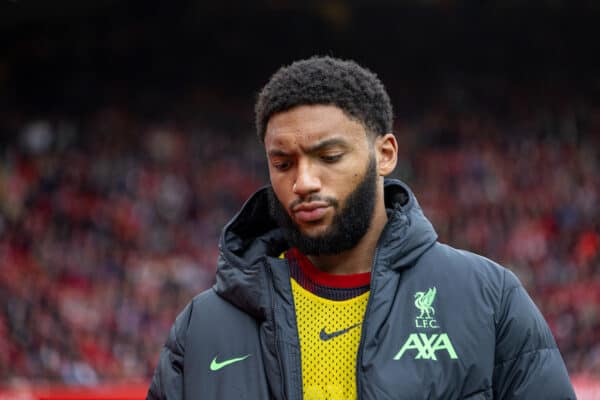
(329, 336)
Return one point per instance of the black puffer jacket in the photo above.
(440, 323)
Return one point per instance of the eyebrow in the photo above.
(312, 149)
(327, 143)
(277, 153)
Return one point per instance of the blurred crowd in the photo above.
(109, 222)
(104, 236)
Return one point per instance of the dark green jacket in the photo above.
(440, 323)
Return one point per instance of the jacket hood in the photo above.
(252, 241)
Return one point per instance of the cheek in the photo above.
(282, 194)
(348, 182)
(341, 187)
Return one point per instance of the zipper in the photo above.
(273, 313)
(274, 310)
(359, 355)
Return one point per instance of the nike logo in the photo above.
(215, 365)
(326, 336)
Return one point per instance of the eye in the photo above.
(282, 165)
(331, 158)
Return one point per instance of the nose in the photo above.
(307, 181)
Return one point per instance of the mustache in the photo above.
(331, 201)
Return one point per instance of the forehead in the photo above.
(312, 123)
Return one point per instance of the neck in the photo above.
(359, 259)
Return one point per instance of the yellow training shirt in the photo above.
(329, 333)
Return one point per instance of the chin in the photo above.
(315, 230)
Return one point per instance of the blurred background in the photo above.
(127, 142)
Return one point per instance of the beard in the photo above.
(349, 224)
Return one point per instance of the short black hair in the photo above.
(329, 81)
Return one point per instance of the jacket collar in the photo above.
(251, 243)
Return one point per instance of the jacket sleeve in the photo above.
(167, 382)
(528, 364)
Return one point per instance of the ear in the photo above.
(386, 148)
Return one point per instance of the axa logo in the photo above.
(423, 302)
(426, 346)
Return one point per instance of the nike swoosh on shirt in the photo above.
(215, 365)
(326, 336)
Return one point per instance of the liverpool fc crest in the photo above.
(423, 302)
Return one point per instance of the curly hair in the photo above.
(329, 81)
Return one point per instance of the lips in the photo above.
(310, 212)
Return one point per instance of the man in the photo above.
(331, 284)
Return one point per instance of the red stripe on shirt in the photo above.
(323, 278)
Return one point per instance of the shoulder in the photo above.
(469, 282)
(464, 269)
(476, 283)
(208, 300)
(208, 310)
(209, 307)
